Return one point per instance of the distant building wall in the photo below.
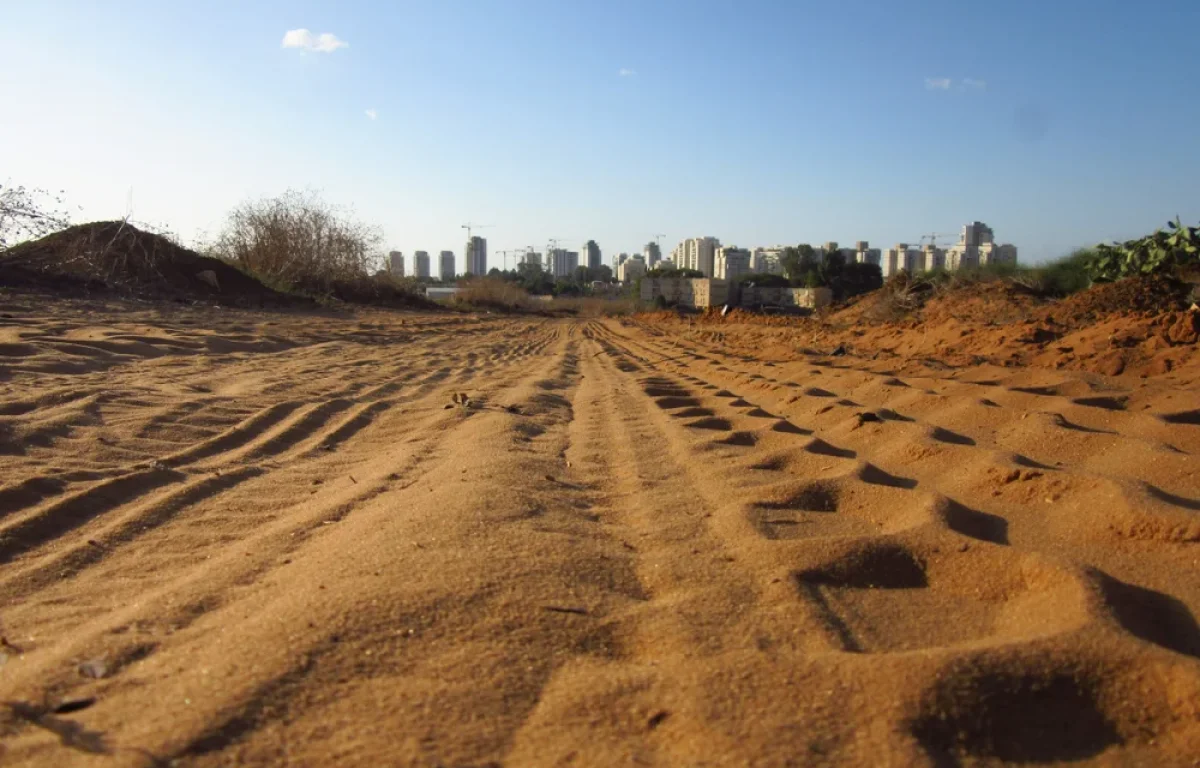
(446, 265)
(700, 293)
(421, 264)
(696, 292)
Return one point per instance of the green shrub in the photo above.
(1163, 252)
(764, 280)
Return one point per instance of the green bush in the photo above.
(674, 272)
(1163, 252)
(762, 280)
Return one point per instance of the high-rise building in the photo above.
(630, 269)
(396, 263)
(446, 265)
(697, 253)
(865, 254)
(532, 257)
(730, 262)
(976, 233)
(476, 255)
(591, 253)
(421, 264)
(977, 248)
(767, 260)
(901, 257)
(652, 253)
(562, 262)
(932, 258)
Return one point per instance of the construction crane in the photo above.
(469, 226)
(656, 241)
(506, 253)
(933, 237)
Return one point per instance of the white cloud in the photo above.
(325, 42)
(627, 72)
(937, 83)
(371, 113)
(969, 82)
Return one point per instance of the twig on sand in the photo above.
(565, 609)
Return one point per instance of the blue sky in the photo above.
(1058, 122)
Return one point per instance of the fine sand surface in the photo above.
(264, 539)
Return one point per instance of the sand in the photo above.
(230, 537)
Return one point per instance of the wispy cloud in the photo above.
(325, 42)
(623, 72)
(937, 83)
(371, 113)
(973, 84)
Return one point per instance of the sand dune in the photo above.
(272, 538)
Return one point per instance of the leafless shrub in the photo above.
(297, 241)
(27, 214)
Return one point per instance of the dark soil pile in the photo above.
(117, 257)
(1135, 295)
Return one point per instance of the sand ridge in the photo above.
(284, 543)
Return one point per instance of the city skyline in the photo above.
(379, 108)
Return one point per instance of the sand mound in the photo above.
(1139, 326)
(118, 257)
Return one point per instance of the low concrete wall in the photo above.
(700, 293)
(696, 292)
(810, 298)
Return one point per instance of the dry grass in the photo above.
(495, 295)
(593, 307)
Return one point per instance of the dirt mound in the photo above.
(118, 257)
(998, 301)
(1137, 326)
(1135, 294)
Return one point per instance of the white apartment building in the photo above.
(396, 263)
(476, 255)
(932, 258)
(562, 262)
(697, 253)
(865, 254)
(977, 248)
(630, 269)
(901, 257)
(767, 260)
(421, 264)
(730, 262)
(446, 265)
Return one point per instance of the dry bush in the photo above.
(498, 295)
(27, 214)
(298, 242)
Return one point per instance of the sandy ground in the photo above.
(264, 539)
